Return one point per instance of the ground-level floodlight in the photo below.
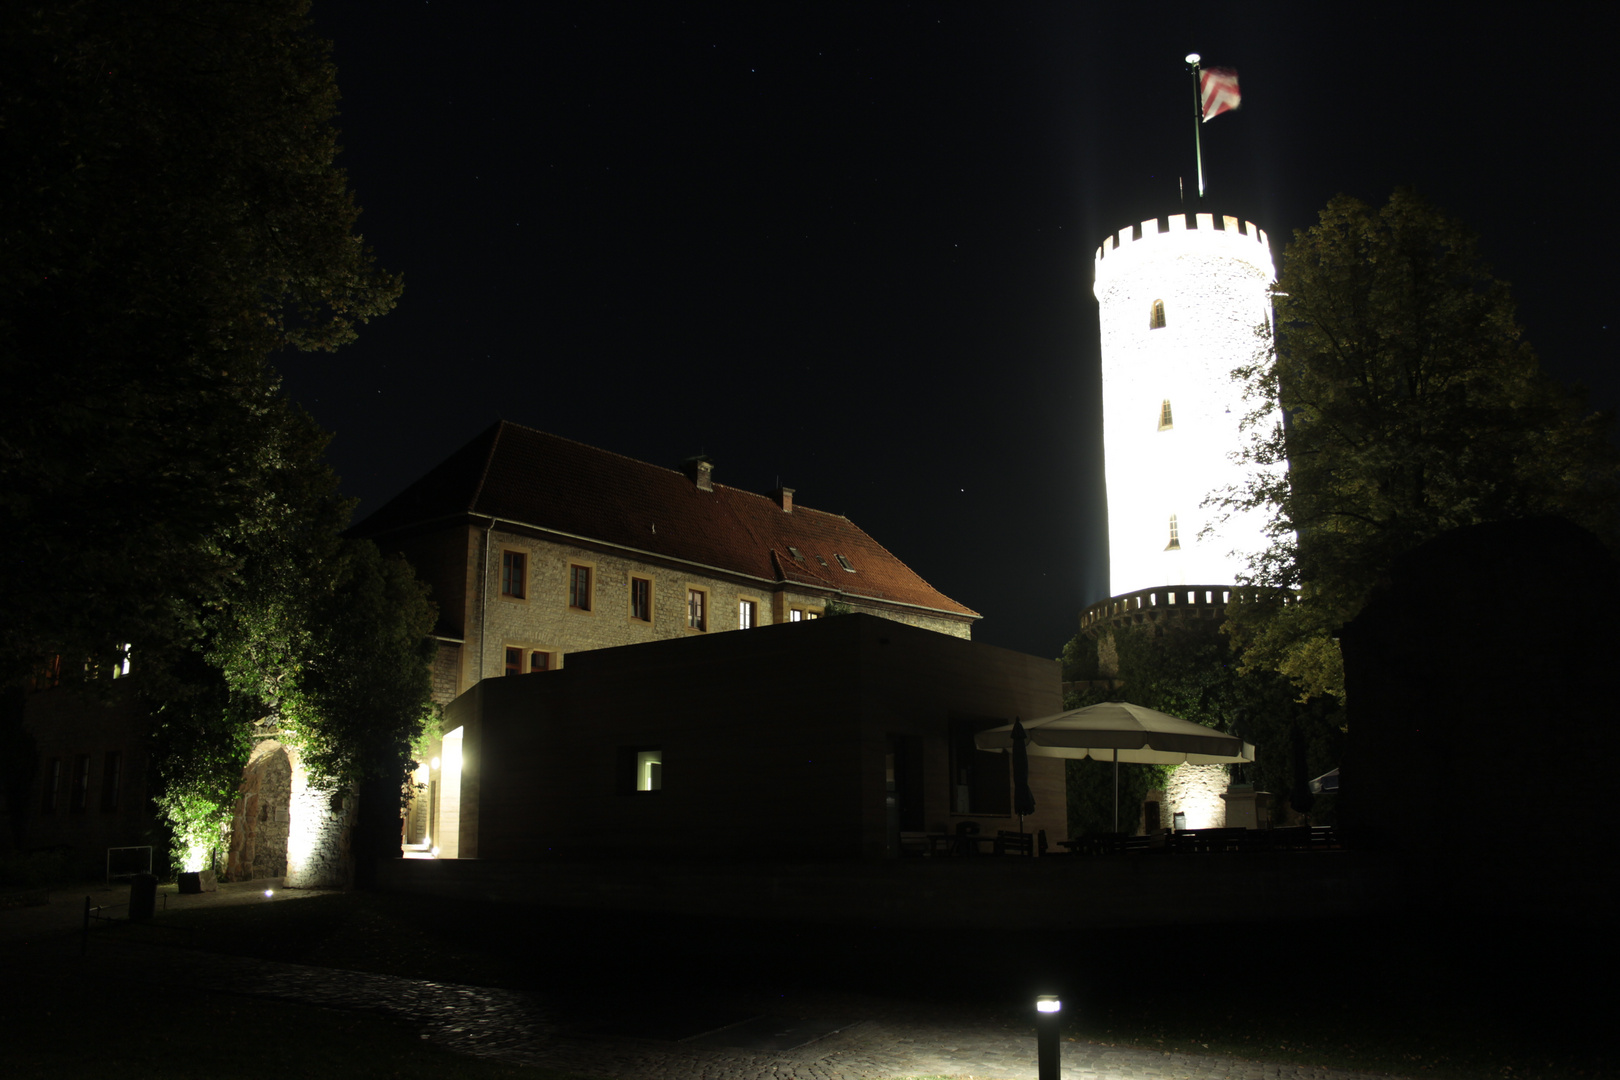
(1048, 1010)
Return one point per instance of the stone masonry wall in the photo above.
(543, 620)
(446, 673)
(320, 835)
(260, 820)
(1196, 790)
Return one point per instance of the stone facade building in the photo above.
(86, 793)
(537, 547)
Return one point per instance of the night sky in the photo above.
(849, 248)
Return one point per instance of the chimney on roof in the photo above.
(784, 499)
(699, 470)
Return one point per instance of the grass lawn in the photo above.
(1444, 1001)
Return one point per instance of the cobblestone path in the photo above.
(881, 1038)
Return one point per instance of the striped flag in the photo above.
(1220, 87)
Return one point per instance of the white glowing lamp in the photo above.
(1048, 1003)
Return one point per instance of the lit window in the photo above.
(639, 769)
(579, 588)
(696, 614)
(641, 599)
(1156, 320)
(1165, 423)
(514, 568)
(1175, 541)
(747, 614)
(842, 561)
(796, 615)
(649, 770)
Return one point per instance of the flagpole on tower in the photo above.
(1198, 116)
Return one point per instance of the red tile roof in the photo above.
(527, 477)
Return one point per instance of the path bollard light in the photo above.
(268, 893)
(1048, 1012)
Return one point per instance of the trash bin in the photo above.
(142, 897)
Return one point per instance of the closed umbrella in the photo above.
(1119, 731)
(1023, 797)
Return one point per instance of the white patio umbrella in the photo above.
(1326, 784)
(1119, 731)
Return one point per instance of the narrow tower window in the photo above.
(1156, 320)
(1175, 540)
(1165, 423)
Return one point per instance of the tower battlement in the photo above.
(1228, 235)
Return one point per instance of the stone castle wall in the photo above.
(260, 820)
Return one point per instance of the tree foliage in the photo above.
(1194, 671)
(173, 218)
(1413, 406)
(321, 642)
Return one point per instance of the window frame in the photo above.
(519, 557)
(79, 792)
(575, 567)
(112, 764)
(750, 605)
(647, 617)
(50, 794)
(698, 618)
(525, 653)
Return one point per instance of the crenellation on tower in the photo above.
(1175, 225)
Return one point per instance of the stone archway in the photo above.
(263, 811)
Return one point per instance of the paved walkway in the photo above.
(875, 1037)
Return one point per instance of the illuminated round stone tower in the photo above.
(1181, 302)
